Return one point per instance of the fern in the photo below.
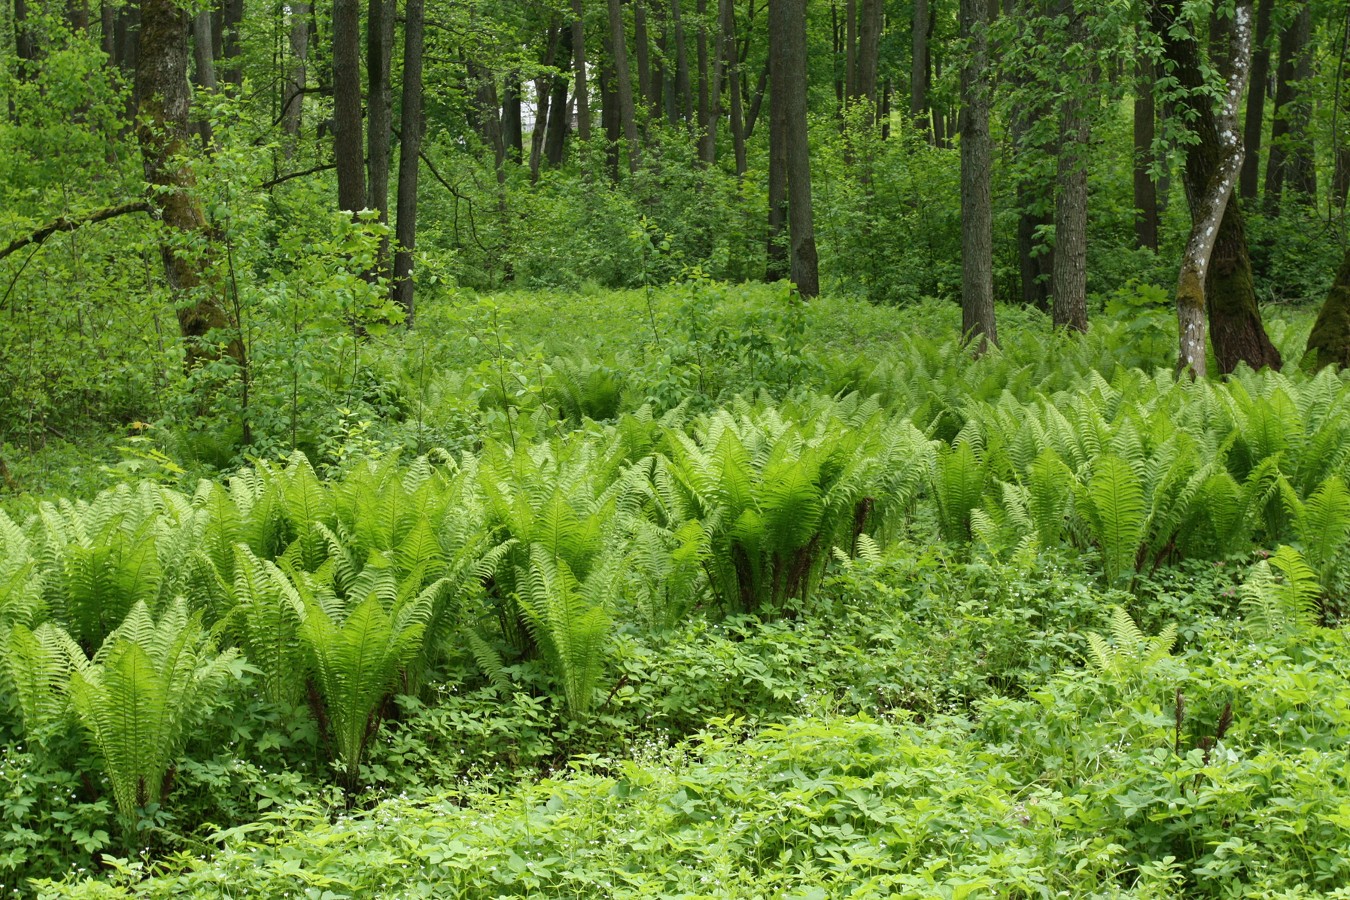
(958, 483)
(265, 616)
(570, 621)
(140, 694)
(1281, 595)
(1323, 527)
(1113, 501)
(37, 665)
(358, 646)
(1129, 653)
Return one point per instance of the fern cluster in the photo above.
(340, 593)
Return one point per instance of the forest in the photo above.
(674, 449)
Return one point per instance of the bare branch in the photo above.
(71, 223)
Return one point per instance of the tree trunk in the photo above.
(379, 115)
(410, 148)
(977, 214)
(757, 99)
(543, 92)
(918, 70)
(348, 152)
(559, 112)
(1290, 151)
(293, 99)
(1069, 276)
(869, 51)
(204, 67)
(623, 84)
(777, 266)
(609, 111)
(683, 90)
(1145, 191)
(232, 18)
(850, 49)
(1215, 268)
(1235, 324)
(705, 100)
(579, 72)
(513, 137)
(787, 48)
(165, 106)
(25, 42)
(1249, 182)
(1329, 342)
(108, 18)
(728, 13)
(642, 48)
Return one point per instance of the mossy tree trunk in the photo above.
(1216, 266)
(1235, 323)
(165, 105)
(1329, 342)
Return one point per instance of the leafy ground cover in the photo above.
(740, 599)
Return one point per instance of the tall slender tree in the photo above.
(410, 149)
(348, 153)
(1145, 188)
(1250, 180)
(977, 208)
(379, 115)
(579, 72)
(1069, 275)
(1290, 161)
(787, 48)
(623, 84)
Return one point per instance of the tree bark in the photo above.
(623, 84)
(777, 265)
(108, 19)
(579, 71)
(162, 132)
(709, 94)
(232, 18)
(757, 99)
(25, 42)
(1145, 190)
(1329, 342)
(642, 49)
(543, 92)
(1069, 275)
(1215, 269)
(513, 136)
(204, 66)
(684, 102)
(348, 152)
(559, 112)
(850, 49)
(918, 69)
(1249, 181)
(379, 115)
(787, 47)
(293, 98)
(869, 51)
(410, 148)
(609, 110)
(705, 100)
(728, 13)
(977, 215)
